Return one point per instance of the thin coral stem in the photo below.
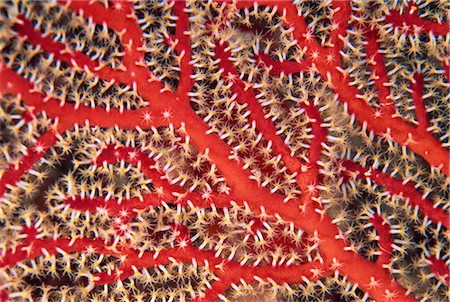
(412, 20)
(341, 18)
(307, 180)
(114, 207)
(183, 47)
(135, 260)
(417, 93)
(75, 58)
(383, 229)
(42, 246)
(379, 70)
(122, 20)
(285, 67)
(13, 175)
(113, 154)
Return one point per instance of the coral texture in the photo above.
(230, 150)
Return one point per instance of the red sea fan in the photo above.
(240, 151)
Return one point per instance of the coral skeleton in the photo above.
(162, 150)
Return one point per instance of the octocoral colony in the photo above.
(200, 150)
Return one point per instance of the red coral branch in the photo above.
(183, 47)
(379, 70)
(115, 207)
(341, 17)
(403, 189)
(285, 67)
(64, 53)
(385, 241)
(309, 179)
(247, 275)
(417, 93)
(68, 115)
(122, 20)
(13, 175)
(38, 247)
(439, 268)
(412, 22)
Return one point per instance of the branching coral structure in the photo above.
(230, 150)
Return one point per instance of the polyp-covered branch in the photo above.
(420, 142)
(383, 231)
(406, 190)
(248, 275)
(120, 17)
(67, 113)
(410, 18)
(183, 47)
(14, 174)
(380, 75)
(341, 15)
(285, 67)
(245, 95)
(62, 52)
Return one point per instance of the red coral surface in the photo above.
(268, 150)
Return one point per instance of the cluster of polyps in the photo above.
(200, 150)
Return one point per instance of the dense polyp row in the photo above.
(231, 150)
(20, 130)
(98, 41)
